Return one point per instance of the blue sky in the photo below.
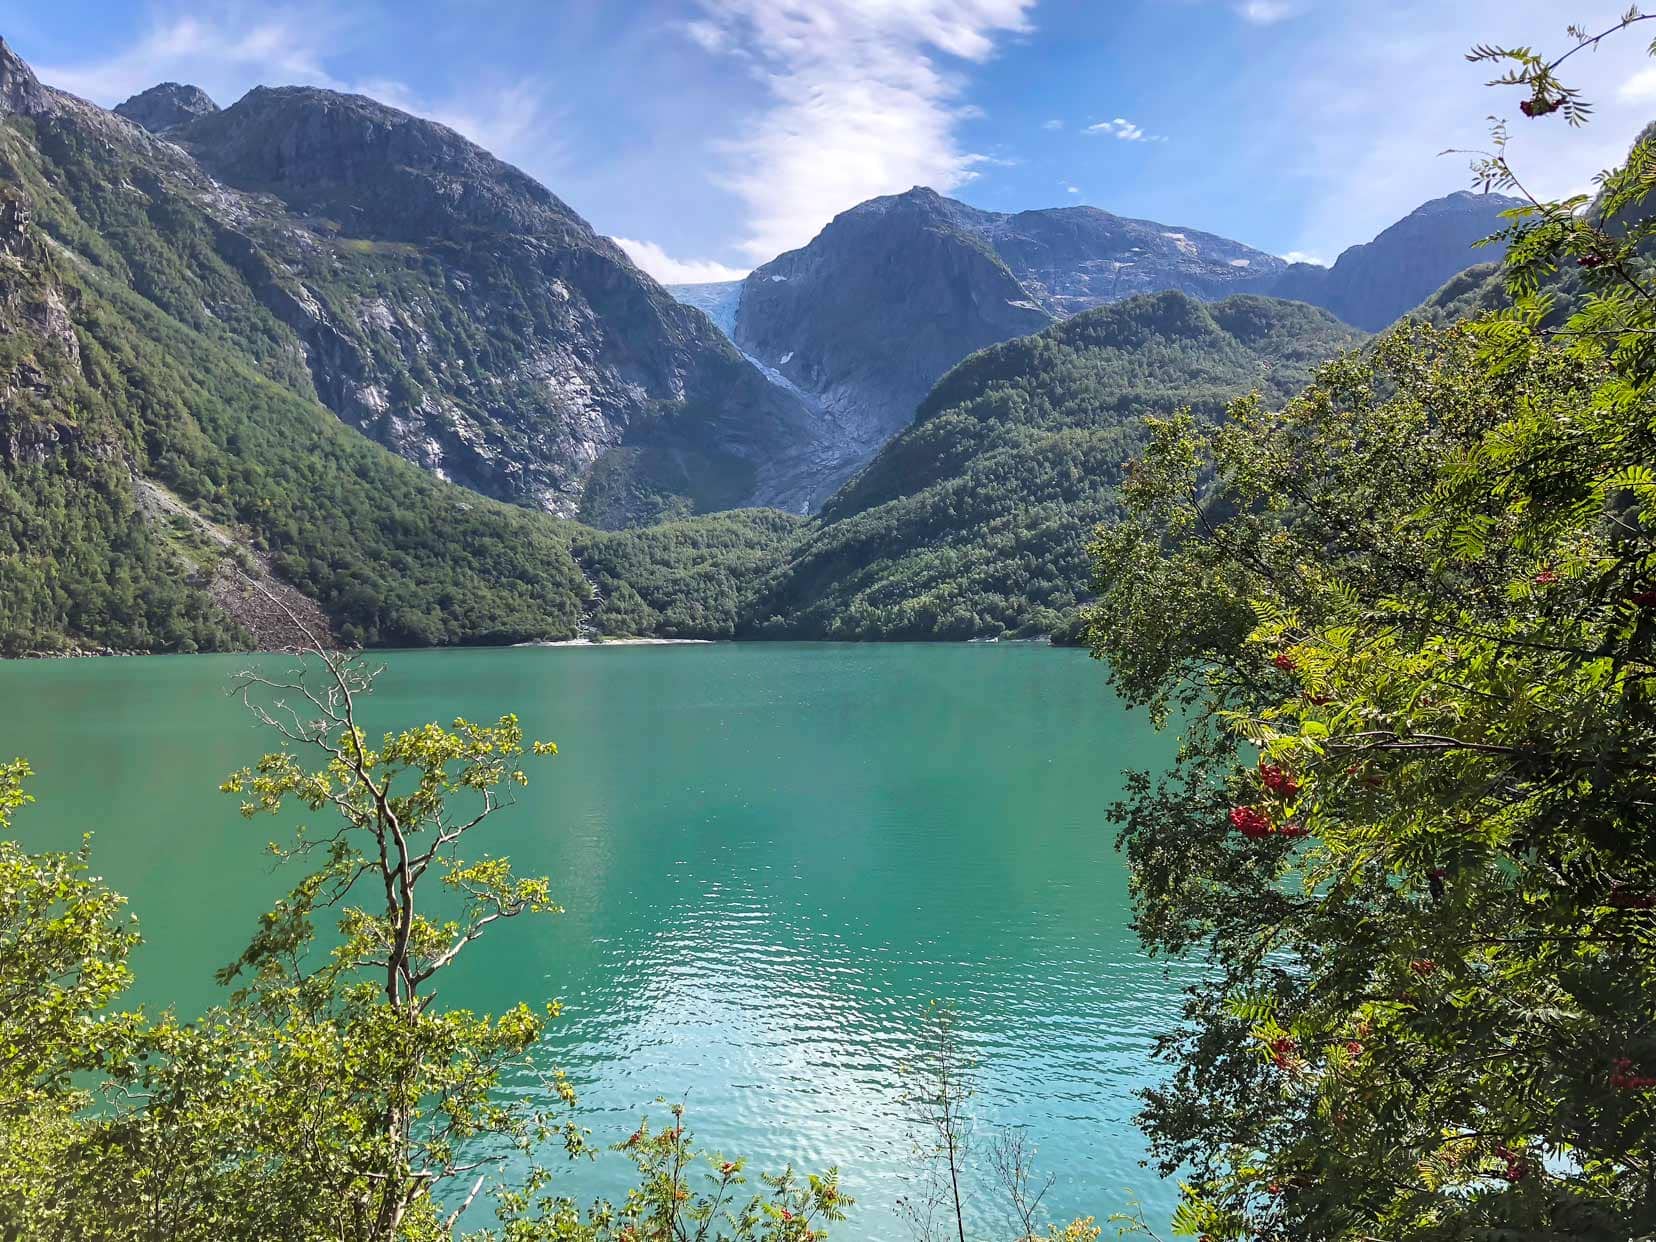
(712, 134)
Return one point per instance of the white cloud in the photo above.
(1072, 189)
(1640, 88)
(1125, 130)
(288, 45)
(670, 271)
(706, 35)
(272, 47)
(1300, 256)
(863, 101)
(1361, 144)
(1052, 124)
(1264, 12)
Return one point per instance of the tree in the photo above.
(331, 1096)
(1408, 824)
(942, 1083)
(64, 943)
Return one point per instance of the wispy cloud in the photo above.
(1125, 130)
(1072, 189)
(670, 271)
(1640, 88)
(1264, 12)
(1052, 124)
(864, 99)
(270, 46)
(1300, 256)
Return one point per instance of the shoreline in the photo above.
(118, 653)
(610, 642)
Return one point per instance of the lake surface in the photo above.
(772, 858)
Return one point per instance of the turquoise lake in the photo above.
(772, 858)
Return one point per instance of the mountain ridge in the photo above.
(894, 291)
(445, 303)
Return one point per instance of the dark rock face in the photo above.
(20, 91)
(1073, 259)
(166, 106)
(379, 172)
(1371, 285)
(888, 297)
(894, 292)
(452, 308)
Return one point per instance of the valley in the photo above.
(427, 397)
(710, 697)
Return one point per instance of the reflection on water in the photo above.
(773, 858)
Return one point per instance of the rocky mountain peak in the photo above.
(20, 91)
(166, 106)
(379, 171)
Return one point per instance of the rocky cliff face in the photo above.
(166, 106)
(1073, 259)
(866, 317)
(1372, 285)
(895, 291)
(20, 91)
(438, 299)
(462, 314)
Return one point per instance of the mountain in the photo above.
(973, 522)
(1374, 284)
(167, 106)
(865, 318)
(895, 291)
(452, 308)
(165, 481)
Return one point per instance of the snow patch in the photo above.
(777, 279)
(1181, 241)
(1240, 262)
(785, 359)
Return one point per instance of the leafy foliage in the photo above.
(1408, 822)
(330, 1096)
(64, 943)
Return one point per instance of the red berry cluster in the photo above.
(1516, 1166)
(1284, 661)
(1644, 599)
(1282, 1048)
(1622, 1077)
(1423, 966)
(1546, 577)
(1354, 1048)
(1278, 780)
(1256, 825)
(1626, 899)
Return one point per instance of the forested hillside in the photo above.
(973, 522)
(157, 449)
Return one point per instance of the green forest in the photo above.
(114, 387)
(973, 523)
